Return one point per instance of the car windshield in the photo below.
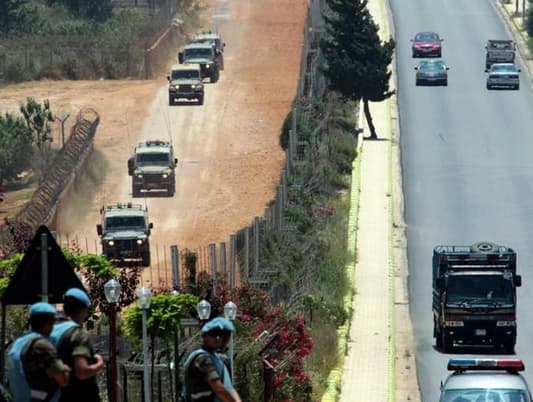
(124, 222)
(479, 289)
(198, 53)
(185, 74)
(160, 159)
(505, 68)
(432, 65)
(485, 395)
(426, 37)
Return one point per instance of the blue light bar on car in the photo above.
(512, 365)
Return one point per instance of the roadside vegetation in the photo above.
(84, 39)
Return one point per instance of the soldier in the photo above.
(207, 379)
(35, 371)
(75, 348)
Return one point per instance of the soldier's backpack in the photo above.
(221, 368)
(17, 383)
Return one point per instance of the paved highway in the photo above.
(467, 159)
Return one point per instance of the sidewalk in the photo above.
(373, 369)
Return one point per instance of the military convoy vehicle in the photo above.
(185, 82)
(499, 51)
(206, 56)
(215, 40)
(152, 168)
(474, 296)
(124, 233)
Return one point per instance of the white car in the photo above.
(486, 380)
(503, 75)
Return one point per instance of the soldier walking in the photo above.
(207, 378)
(76, 350)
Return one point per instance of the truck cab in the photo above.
(499, 51)
(125, 234)
(205, 55)
(185, 82)
(474, 296)
(152, 167)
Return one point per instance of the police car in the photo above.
(485, 380)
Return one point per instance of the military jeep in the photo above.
(205, 55)
(215, 40)
(152, 169)
(185, 82)
(124, 234)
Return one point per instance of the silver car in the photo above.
(485, 380)
(432, 72)
(503, 75)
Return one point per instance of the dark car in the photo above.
(503, 75)
(430, 72)
(427, 44)
(487, 380)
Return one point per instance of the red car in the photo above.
(427, 44)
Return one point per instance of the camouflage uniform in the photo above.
(41, 364)
(76, 343)
(202, 370)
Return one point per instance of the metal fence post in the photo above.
(175, 261)
(213, 265)
(233, 260)
(223, 260)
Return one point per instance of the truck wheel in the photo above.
(171, 190)
(214, 77)
(135, 191)
(507, 347)
(222, 63)
(200, 100)
(146, 259)
(170, 101)
(447, 343)
(438, 337)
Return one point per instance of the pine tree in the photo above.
(357, 61)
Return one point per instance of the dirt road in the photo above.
(230, 159)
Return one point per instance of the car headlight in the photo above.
(176, 87)
(197, 86)
(110, 243)
(139, 175)
(454, 323)
(165, 175)
(172, 87)
(208, 65)
(140, 241)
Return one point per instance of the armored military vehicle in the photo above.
(205, 55)
(185, 82)
(474, 296)
(215, 40)
(152, 168)
(124, 234)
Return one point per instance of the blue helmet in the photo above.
(218, 323)
(42, 308)
(79, 295)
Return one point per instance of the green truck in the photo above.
(474, 296)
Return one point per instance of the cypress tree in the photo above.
(357, 61)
